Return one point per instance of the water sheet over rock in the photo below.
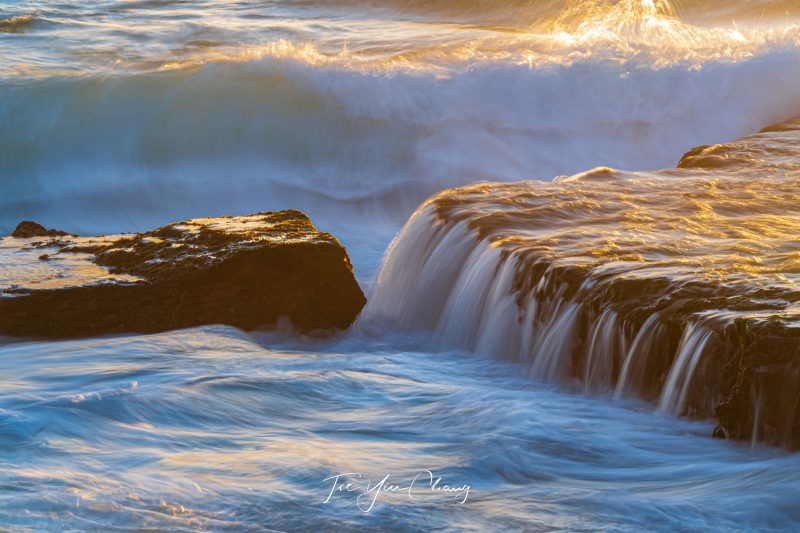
(248, 271)
(679, 286)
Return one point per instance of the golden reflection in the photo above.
(731, 227)
(655, 32)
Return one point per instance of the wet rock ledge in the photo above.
(678, 286)
(248, 271)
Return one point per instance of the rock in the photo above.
(773, 151)
(679, 286)
(28, 229)
(249, 272)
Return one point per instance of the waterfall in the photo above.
(441, 276)
(583, 283)
(673, 397)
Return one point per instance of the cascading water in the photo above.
(478, 304)
(637, 355)
(580, 279)
(679, 379)
(679, 287)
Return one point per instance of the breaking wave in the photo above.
(127, 152)
(370, 126)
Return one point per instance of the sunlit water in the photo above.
(126, 115)
(119, 116)
(208, 429)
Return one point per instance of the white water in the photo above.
(673, 398)
(119, 116)
(593, 279)
(316, 112)
(641, 345)
(209, 430)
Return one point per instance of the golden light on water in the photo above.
(655, 33)
(651, 31)
(517, 223)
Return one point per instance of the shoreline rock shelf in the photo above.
(248, 272)
(678, 286)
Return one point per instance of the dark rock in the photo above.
(28, 229)
(679, 286)
(248, 272)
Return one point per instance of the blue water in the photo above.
(210, 430)
(122, 116)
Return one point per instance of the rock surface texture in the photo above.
(250, 272)
(680, 286)
(27, 229)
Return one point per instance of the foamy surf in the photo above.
(320, 124)
(126, 115)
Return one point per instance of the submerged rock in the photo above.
(249, 272)
(679, 286)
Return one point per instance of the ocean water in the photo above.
(211, 430)
(125, 115)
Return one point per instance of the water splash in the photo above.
(581, 280)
